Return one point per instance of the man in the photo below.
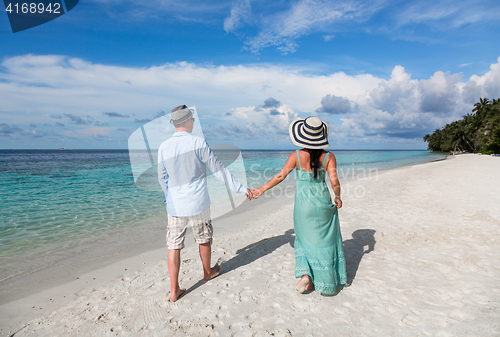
(182, 161)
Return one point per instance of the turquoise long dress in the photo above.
(319, 252)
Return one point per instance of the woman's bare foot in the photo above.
(304, 284)
(214, 272)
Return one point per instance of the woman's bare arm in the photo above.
(291, 163)
(331, 168)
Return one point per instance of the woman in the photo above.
(319, 254)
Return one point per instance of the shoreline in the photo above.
(113, 266)
(66, 269)
(59, 269)
(68, 277)
(423, 266)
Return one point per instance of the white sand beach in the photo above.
(422, 250)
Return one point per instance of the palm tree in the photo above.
(480, 106)
(472, 125)
(479, 131)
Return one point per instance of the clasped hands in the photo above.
(255, 193)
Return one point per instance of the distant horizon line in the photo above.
(329, 149)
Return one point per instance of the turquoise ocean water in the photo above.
(53, 197)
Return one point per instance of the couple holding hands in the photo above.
(319, 253)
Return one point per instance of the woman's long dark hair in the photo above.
(315, 154)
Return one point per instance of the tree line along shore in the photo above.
(476, 132)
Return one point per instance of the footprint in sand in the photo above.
(305, 306)
(277, 319)
(243, 296)
(222, 315)
(274, 277)
(136, 281)
(341, 311)
(391, 309)
(245, 275)
(224, 286)
(255, 325)
(262, 294)
(155, 311)
(257, 268)
(239, 326)
(253, 315)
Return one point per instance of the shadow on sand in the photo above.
(251, 253)
(354, 250)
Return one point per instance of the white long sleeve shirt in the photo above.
(182, 162)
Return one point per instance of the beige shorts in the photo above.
(177, 226)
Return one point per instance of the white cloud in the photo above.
(398, 92)
(283, 25)
(238, 102)
(439, 93)
(282, 29)
(240, 12)
(405, 108)
(269, 123)
(487, 85)
(446, 14)
(61, 85)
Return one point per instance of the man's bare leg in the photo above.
(174, 263)
(206, 255)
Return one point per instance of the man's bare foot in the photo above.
(214, 272)
(177, 295)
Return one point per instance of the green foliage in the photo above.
(477, 132)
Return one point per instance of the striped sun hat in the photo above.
(311, 133)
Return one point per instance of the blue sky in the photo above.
(381, 73)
